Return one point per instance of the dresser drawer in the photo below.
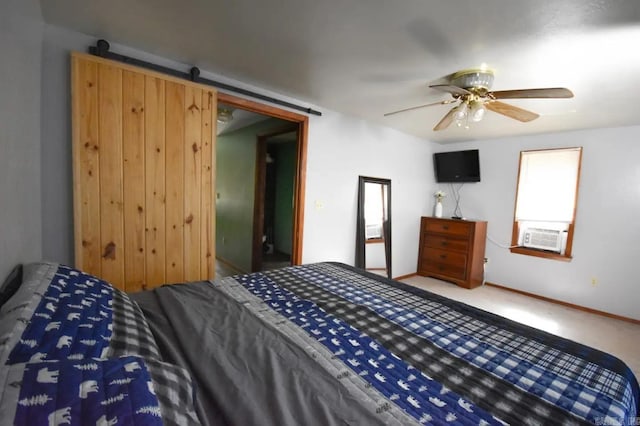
(440, 242)
(462, 229)
(445, 256)
(451, 271)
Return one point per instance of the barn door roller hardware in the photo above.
(102, 49)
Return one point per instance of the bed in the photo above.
(322, 343)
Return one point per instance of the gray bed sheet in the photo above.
(247, 371)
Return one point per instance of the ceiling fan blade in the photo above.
(446, 120)
(454, 90)
(511, 111)
(448, 101)
(552, 92)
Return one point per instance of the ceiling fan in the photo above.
(470, 90)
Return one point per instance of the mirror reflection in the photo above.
(373, 233)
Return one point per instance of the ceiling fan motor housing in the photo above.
(473, 79)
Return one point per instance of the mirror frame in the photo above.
(360, 225)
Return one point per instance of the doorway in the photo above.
(273, 234)
(274, 201)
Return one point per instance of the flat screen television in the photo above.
(457, 166)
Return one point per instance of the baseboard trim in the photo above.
(404, 277)
(569, 305)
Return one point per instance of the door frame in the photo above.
(259, 196)
(302, 122)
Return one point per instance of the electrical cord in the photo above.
(498, 244)
(457, 212)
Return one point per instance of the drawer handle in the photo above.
(444, 244)
(443, 256)
(445, 227)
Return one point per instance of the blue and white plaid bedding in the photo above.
(445, 362)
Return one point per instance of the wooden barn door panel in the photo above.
(133, 138)
(143, 149)
(86, 166)
(193, 182)
(174, 178)
(207, 222)
(155, 181)
(111, 191)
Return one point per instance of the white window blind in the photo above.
(547, 185)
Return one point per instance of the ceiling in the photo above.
(369, 57)
(241, 119)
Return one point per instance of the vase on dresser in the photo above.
(437, 211)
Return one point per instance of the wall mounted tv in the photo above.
(457, 166)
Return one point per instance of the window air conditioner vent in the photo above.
(373, 231)
(545, 239)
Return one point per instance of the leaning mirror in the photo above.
(373, 230)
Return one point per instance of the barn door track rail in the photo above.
(102, 47)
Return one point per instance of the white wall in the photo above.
(340, 148)
(21, 30)
(606, 245)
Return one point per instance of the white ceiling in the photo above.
(241, 119)
(368, 57)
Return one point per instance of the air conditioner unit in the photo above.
(545, 239)
(373, 231)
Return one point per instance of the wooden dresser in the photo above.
(452, 250)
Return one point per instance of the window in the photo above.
(375, 200)
(546, 202)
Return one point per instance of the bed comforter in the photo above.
(328, 344)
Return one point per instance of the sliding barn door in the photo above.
(143, 168)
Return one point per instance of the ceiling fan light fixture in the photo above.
(461, 112)
(477, 111)
(225, 115)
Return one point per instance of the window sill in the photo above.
(374, 240)
(540, 253)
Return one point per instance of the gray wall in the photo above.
(57, 169)
(21, 29)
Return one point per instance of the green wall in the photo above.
(285, 175)
(235, 182)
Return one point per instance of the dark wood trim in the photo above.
(301, 168)
(404, 277)
(569, 247)
(540, 253)
(299, 192)
(568, 305)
